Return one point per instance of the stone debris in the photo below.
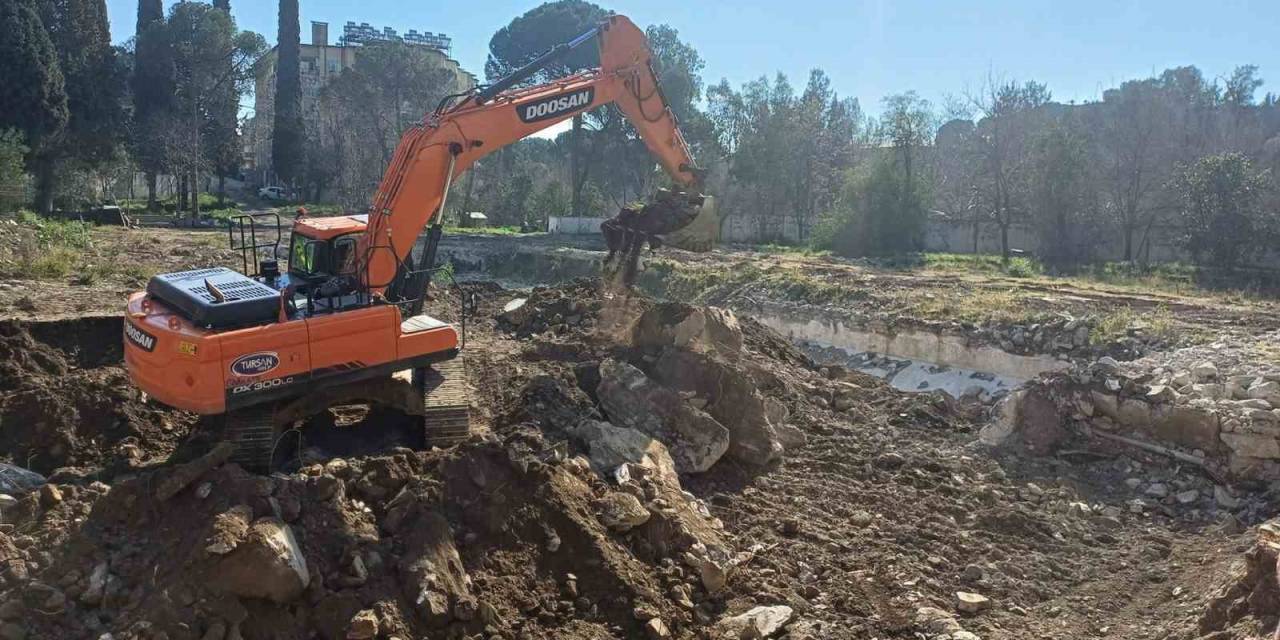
(1210, 402)
(621, 512)
(971, 602)
(695, 439)
(266, 564)
(760, 622)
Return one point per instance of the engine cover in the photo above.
(245, 301)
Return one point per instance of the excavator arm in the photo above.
(431, 154)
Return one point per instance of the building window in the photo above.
(333, 66)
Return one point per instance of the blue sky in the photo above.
(873, 48)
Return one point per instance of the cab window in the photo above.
(302, 255)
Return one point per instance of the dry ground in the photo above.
(886, 509)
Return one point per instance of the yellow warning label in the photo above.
(188, 348)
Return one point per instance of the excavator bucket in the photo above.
(655, 224)
(702, 233)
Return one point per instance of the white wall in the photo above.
(574, 225)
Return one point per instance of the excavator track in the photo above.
(447, 416)
(253, 432)
(445, 410)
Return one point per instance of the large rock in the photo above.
(267, 564)
(1268, 390)
(610, 447)
(1040, 423)
(1005, 423)
(694, 438)
(731, 398)
(1134, 413)
(760, 622)
(621, 512)
(431, 571)
(682, 326)
(1205, 371)
(1251, 445)
(1186, 426)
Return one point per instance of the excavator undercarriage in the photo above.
(435, 396)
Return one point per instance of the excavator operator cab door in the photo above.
(323, 269)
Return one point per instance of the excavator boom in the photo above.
(448, 142)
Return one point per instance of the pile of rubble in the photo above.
(568, 520)
(1215, 405)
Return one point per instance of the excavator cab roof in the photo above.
(330, 227)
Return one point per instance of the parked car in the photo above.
(273, 193)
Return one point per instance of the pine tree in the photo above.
(152, 90)
(224, 139)
(33, 96)
(287, 136)
(94, 83)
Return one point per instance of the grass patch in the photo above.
(46, 248)
(791, 250)
(1115, 325)
(1017, 267)
(487, 231)
(970, 305)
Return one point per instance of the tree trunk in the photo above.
(44, 186)
(222, 191)
(1128, 243)
(977, 232)
(1004, 241)
(152, 205)
(182, 192)
(466, 199)
(195, 194)
(574, 152)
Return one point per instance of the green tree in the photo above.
(152, 91)
(224, 133)
(1061, 196)
(512, 204)
(1222, 213)
(13, 174)
(95, 83)
(210, 60)
(288, 133)
(551, 200)
(365, 111)
(1008, 112)
(33, 96)
(531, 35)
(880, 212)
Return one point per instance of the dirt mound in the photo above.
(565, 517)
(1248, 604)
(61, 407)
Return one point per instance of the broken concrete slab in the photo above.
(267, 564)
(694, 438)
(731, 398)
(620, 512)
(697, 329)
(760, 622)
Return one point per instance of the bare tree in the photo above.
(1007, 113)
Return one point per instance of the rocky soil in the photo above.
(639, 470)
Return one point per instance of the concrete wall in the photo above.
(576, 226)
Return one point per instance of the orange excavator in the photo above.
(266, 350)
